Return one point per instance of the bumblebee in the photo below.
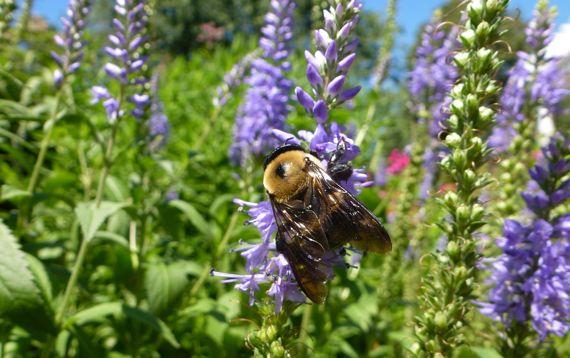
(315, 214)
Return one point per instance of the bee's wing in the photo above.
(301, 239)
(347, 219)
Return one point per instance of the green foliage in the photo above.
(142, 286)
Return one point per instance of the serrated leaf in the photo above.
(194, 216)
(41, 278)
(165, 284)
(18, 291)
(91, 217)
(120, 310)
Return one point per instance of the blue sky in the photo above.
(411, 13)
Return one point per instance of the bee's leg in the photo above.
(337, 170)
(339, 153)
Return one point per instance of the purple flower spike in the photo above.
(266, 103)
(326, 74)
(158, 125)
(534, 81)
(429, 83)
(234, 78)
(71, 40)
(531, 278)
(127, 60)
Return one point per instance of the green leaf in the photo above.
(42, 280)
(194, 216)
(91, 217)
(219, 202)
(107, 236)
(120, 310)
(12, 193)
(18, 291)
(165, 284)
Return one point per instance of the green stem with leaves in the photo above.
(26, 208)
(50, 125)
(219, 251)
(107, 163)
(447, 292)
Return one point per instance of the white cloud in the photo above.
(560, 45)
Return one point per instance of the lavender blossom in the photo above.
(433, 75)
(127, 60)
(71, 40)
(158, 126)
(327, 70)
(531, 278)
(328, 66)
(534, 81)
(429, 84)
(263, 263)
(234, 78)
(265, 107)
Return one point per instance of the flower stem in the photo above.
(26, 208)
(107, 163)
(221, 248)
(304, 330)
(72, 281)
(206, 131)
(45, 144)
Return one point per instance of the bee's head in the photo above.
(285, 171)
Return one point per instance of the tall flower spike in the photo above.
(126, 51)
(329, 64)
(266, 103)
(234, 78)
(263, 263)
(429, 84)
(327, 71)
(449, 288)
(531, 278)
(534, 90)
(70, 40)
(433, 74)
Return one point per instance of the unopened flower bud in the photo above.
(468, 38)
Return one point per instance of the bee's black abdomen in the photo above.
(340, 171)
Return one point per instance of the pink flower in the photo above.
(397, 161)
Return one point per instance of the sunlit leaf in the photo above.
(165, 284)
(92, 217)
